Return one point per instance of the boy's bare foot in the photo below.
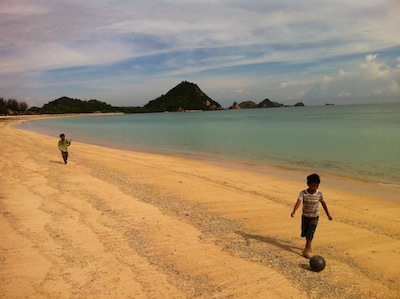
(307, 254)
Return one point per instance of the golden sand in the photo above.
(121, 224)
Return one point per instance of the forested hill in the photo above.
(68, 105)
(184, 96)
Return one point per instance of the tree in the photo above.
(23, 106)
(2, 106)
(12, 104)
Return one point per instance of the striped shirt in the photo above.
(310, 203)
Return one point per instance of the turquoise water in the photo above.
(361, 141)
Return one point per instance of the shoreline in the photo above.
(268, 167)
(119, 224)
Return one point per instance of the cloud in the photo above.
(372, 70)
(50, 56)
(277, 48)
(18, 10)
(372, 80)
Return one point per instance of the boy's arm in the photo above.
(296, 206)
(326, 210)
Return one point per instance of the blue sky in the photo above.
(128, 52)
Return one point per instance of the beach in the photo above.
(123, 224)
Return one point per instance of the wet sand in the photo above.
(121, 224)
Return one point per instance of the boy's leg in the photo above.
(65, 157)
(309, 226)
(308, 247)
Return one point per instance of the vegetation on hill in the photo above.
(243, 105)
(263, 104)
(68, 105)
(268, 104)
(65, 105)
(248, 105)
(184, 96)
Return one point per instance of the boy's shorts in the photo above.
(308, 226)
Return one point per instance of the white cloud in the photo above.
(394, 87)
(300, 94)
(373, 70)
(372, 80)
(16, 10)
(181, 39)
(296, 83)
(327, 79)
(50, 56)
(342, 94)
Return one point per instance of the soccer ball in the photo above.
(317, 263)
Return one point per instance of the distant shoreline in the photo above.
(358, 185)
(338, 162)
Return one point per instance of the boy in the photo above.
(311, 198)
(63, 146)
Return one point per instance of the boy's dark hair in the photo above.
(61, 135)
(313, 179)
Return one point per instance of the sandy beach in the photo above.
(121, 224)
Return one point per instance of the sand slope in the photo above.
(118, 224)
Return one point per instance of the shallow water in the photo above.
(361, 141)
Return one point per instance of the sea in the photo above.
(358, 141)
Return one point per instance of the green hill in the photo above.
(68, 105)
(248, 105)
(268, 104)
(184, 96)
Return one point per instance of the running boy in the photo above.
(311, 198)
(63, 146)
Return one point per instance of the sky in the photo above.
(128, 52)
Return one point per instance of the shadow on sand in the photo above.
(272, 241)
(278, 243)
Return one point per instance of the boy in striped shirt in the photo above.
(311, 197)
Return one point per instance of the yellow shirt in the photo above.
(63, 146)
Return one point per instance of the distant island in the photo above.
(263, 104)
(186, 96)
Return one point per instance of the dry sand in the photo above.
(120, 224)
